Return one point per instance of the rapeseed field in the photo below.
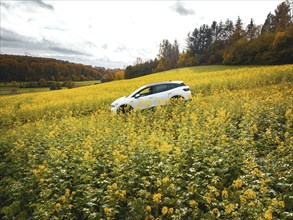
(226, 154)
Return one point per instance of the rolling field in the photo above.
(226, 154)
(11, 89)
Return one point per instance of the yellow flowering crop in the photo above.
(223, 154)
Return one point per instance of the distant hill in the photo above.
(27, 69)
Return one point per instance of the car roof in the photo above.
(166, 82)
(155, 84)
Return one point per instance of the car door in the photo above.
(144, 98)
(161, 94)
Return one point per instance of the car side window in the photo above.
(172, 86)
(160, 88)
(145, 92)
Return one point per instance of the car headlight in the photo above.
(114, 105)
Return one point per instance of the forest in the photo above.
(227, 43)
(35, 69)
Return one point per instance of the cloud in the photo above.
(63, 50)
(104, 46)
(121, 48)
(11, 39)
(179, 7)
(43, 4)
(5, 5)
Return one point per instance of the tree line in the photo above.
(44, 70)
(228, 43)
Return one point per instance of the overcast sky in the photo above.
(112, 34)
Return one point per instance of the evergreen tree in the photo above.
(238, 32)
(268, 25)
(251, 30)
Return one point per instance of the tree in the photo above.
(251, 30)
(168, 55)
(174, 54)
(200, 40)
(268, 25)
(237, 53)
(193, 42)
(228, 31)
(282, 17)
(238, 31)
(185, 60)
(282, 47)
(119, 75)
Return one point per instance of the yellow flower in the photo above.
(237, 184)
(208, 197)
(250, 194)
(234, 214)
(115, 186)
(254, 128)
(165, 180)
(242, 199)
(123, 194)
(193, 203)
(229, 208)
(116, 193)
(171, 186)
(268, 132)
(225, 194)
(67, 192)
(171, 210)
(157, 197)
(86, 155)
(108, 211)
(263, 189)
(58, 206)
(215, 211)
(149, 217)
(277, 203)
(148, 208)
(212, 188)
(41, 167)
(164, 210)
(282, 204)
(63, 198)
(257, 172)
(268, 215)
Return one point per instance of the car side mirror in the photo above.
(137, 96)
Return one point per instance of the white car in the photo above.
(151, 95)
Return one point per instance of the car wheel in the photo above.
(177, 100)
(124, 109)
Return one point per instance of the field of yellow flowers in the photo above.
(226, 154)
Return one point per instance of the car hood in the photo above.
(120, 100)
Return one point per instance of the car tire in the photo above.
(176, 99)
(125, 109)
